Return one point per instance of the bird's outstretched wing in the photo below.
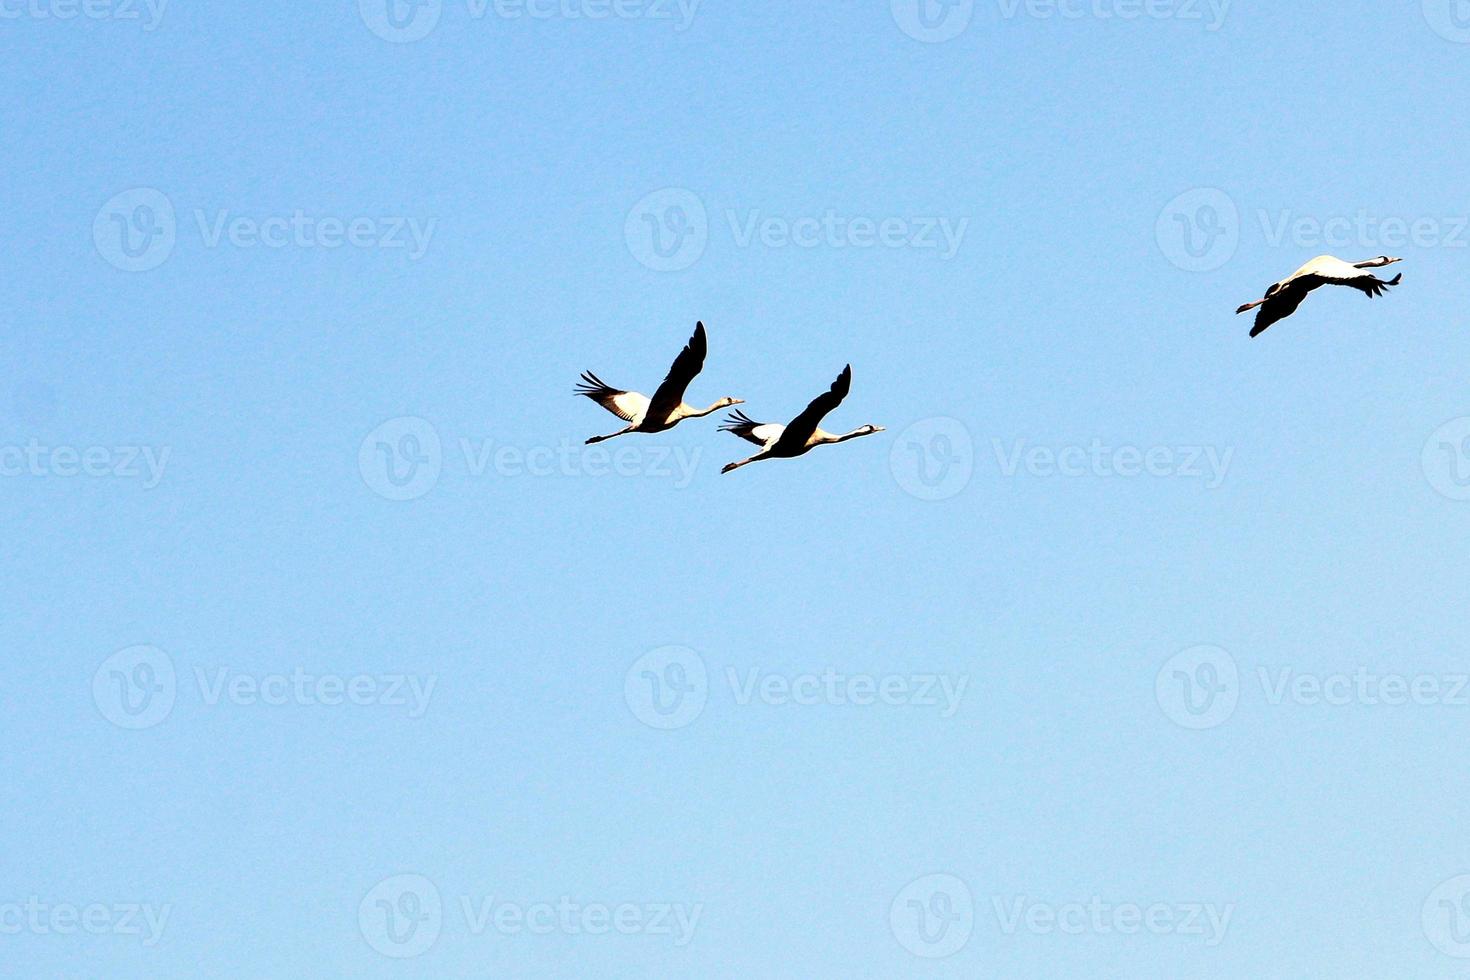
(760, 433)
(1367, 283)
(802, 427)
(1281, 305)
(686, 366)
(1285, 302)
(626, 405)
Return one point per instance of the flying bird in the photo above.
(1283, 298)
(790, 441)
(667, 407)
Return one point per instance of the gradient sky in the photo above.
(328, 645)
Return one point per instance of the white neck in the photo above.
(690, 412)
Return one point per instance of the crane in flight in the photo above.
(667, 407)
(802, 434)
(1283, 298)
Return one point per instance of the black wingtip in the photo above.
(1396, 279)
(589, 386)
(737, 419)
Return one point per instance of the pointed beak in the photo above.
(1392, 261)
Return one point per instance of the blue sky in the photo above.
(1133, 647)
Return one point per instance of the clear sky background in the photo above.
(536, 598)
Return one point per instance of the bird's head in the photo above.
(869, 430)
(1382, 261)
(727, 402)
